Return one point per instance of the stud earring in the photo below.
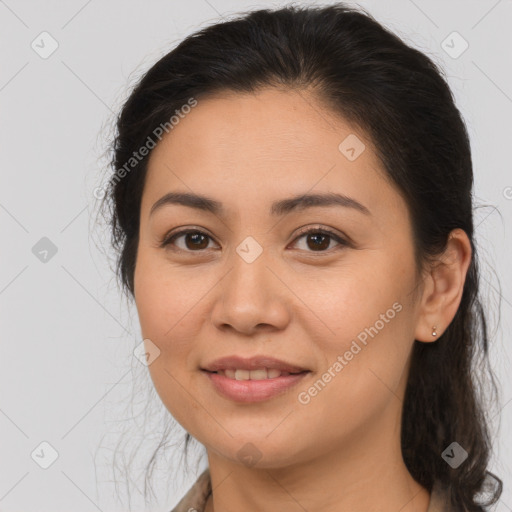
(434, 333)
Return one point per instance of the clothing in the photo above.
(196, 497)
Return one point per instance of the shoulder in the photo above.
(196, 496)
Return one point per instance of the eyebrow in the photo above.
(282, 207)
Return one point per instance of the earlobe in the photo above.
(442, 297)
(427, 334)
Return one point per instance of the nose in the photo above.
(251, 298)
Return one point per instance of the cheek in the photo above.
(167, 302)
(364, 333)
(168, 307)
(348, 301)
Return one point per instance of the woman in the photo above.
(291, 202)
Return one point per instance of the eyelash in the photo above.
(169, 239)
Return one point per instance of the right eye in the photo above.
(193, 240)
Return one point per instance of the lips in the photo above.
(234, 363)
(252, 391)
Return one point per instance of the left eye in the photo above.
(317, 240)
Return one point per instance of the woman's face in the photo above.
(249, 282)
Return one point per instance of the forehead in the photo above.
(270, 124)
(265, 145)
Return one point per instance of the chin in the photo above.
(259, 452)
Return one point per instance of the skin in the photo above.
(341, 451)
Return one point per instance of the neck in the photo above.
(366, 473)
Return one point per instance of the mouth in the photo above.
(257, 374)
(253, 379)
(244, 386)
(259, 366)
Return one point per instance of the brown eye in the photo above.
(319, 240)
(194, 240)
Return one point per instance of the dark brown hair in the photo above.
(398, 96)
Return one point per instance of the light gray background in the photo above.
(67, 368)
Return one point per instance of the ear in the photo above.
(443, 287)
